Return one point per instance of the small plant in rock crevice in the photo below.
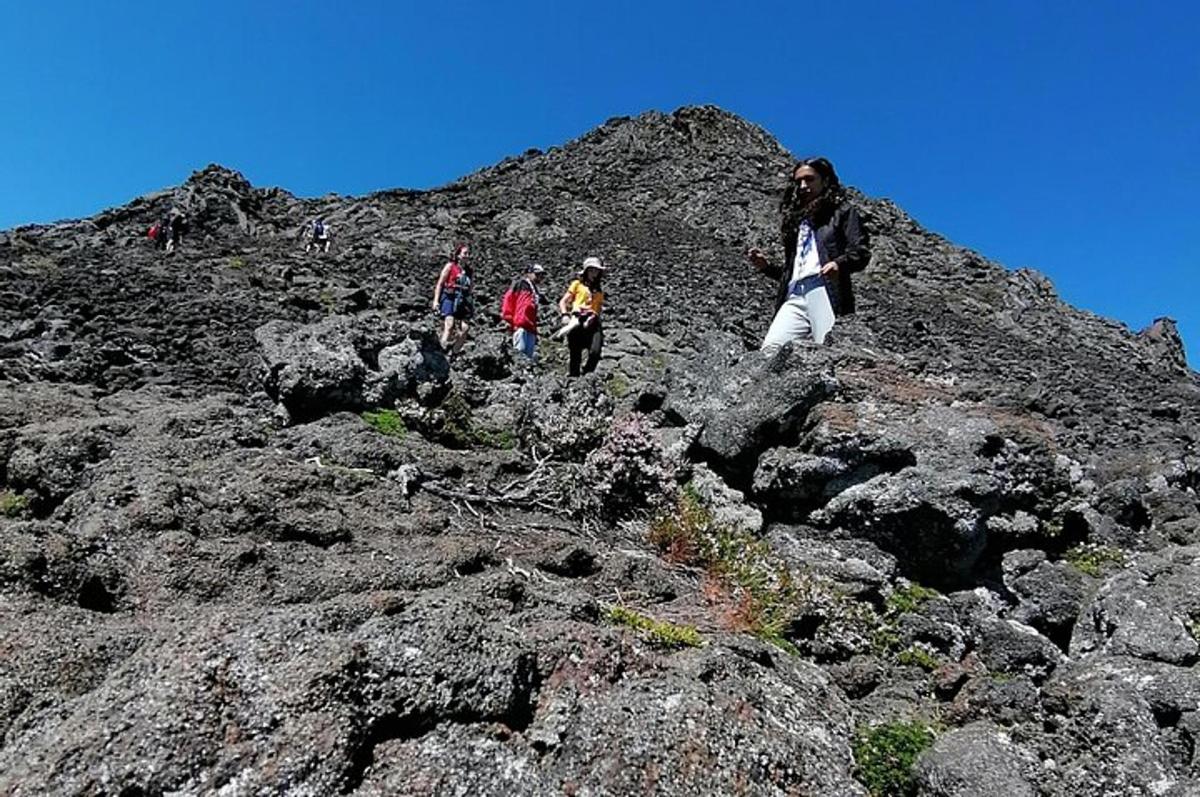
(658, 632)
(918, 657)
(884, 756)
(388, 422)
(907, 599)
(12, 504)
(761, 595)
(1094, 560)
(885, 639)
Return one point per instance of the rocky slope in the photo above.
(258, 536)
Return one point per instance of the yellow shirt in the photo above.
(584, 298)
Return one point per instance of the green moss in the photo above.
(459, 430)
(659, 632)
(456, 421)
(13, 504)
(884, 756)
(884, 640)
(1192, 624)
(386, 422)
(918, 657)
(905, 600)
(237, 263)
(617, 385)
(495, 438)
(1094, 560)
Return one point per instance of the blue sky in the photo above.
(1061, 136)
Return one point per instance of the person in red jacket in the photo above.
(519, 309)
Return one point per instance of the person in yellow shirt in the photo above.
(580, 307)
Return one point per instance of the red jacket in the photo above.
(519, 307)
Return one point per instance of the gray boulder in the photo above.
(345, 363)
(979, 760)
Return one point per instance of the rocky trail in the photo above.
(259, 536)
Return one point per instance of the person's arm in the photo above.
(441, 281)
(858, 243)
(759, 260)
(564, 304)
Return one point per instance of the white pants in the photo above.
(524, 342)
(806, 316)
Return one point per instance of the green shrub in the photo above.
(386, 422)
(884, 756)
(1094, 560)
(905, 600)
(495, 438)
(918, 657)
(12, 504)
(659, 632)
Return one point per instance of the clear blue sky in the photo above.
(1062, 136)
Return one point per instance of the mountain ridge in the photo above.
(259, 535)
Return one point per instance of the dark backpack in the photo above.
(318, 229)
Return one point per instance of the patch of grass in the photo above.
(503, 439)
(764, 598)
(905, 600)
(659, 632)
(386, 422)
(237, 263)
(918, 657)
(1094, 560)
(884, 756)
(13, 504)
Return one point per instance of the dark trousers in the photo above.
(579, 340)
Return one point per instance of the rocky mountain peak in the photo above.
(251, 511)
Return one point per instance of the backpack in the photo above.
(153, 232)
(318, 228)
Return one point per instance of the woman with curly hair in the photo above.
(823, 243)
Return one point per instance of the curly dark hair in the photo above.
(818, 208)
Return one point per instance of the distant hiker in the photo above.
(318, 235)
(176, 226)
(519, 309)
(580, 307)
(823, 243)
(453, 300)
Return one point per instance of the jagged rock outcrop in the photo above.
(258, 534)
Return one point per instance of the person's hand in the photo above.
(757, 258)
(435, 305)
(830, 269)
